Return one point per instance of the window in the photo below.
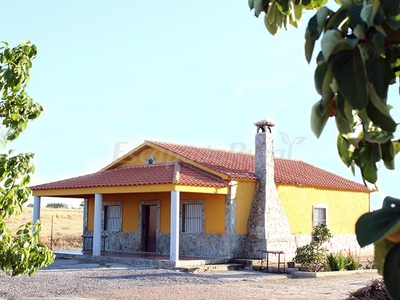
(112, 217)
(192, 218)
(320, 214)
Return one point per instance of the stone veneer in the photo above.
(268, 226)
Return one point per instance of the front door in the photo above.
(149, 227)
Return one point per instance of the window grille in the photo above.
(192, 218)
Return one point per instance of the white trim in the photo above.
(174, 238)
(36, 208)
(323, 206)
(98, 209)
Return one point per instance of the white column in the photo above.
(174, 237)
(36, 208)
(98, 207)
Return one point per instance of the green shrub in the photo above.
(57, 205)
(311, 257)
(339, 262)
(352, 262)
(335, 262)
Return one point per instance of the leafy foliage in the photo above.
(339, 262)
(335, 262)
(352, 263)
(20, 253)
(358, 61)
(311, 257)
(57, 205)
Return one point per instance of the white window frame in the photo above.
(118, 225)
(199, 227)
(314, 216)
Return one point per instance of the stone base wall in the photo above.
(346, 243)
(202, 245)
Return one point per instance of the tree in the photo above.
(311, 257)
(20, 253)
(358, 61)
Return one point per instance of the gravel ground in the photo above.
(73, 279)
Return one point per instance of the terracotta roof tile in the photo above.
(139, 175)
(241, 166)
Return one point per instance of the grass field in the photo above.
(61, 227)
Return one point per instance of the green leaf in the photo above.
(379, 137)
(318, 119)
(332, 40)
(344, 108)
(344, 126)
(390, 7)
(366, 156)
(396, 145)
(376, 225)
(382, 248)
(388, 154)
(377, 41)
(379, 113)
(394, 22)
(336, 19)
(348, 70)
(283, 6)
(343, 150)
(309, 46)
(354, 13)
(380, 74)
(391, 274)
(319, 76)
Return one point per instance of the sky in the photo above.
(113, 74)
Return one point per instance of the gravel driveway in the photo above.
(75, 279)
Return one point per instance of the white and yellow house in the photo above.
(183, 200)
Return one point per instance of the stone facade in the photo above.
(268, 226)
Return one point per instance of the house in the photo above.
(184, 200)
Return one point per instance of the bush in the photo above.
(340, 262)
(336, 262)
(57, 205)
(311, 257)
(352, 263)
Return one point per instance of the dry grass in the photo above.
(64, 223)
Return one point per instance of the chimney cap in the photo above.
(263, 125)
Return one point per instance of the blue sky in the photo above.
(113, 74)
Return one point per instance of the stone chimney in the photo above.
(268, 226)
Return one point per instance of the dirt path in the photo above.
(73, 279)
(250, 286)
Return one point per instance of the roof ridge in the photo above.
(139, 166)
(159, 143)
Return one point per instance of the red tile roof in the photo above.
(241, 166)
(140, 175)
(233, 164)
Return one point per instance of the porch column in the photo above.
(98, 207)
(174, 237)
(36, 208)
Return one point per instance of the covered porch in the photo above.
(164, 187)
(141, 259)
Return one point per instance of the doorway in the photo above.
(149, 228)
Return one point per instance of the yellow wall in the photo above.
(90, 214)
(214, 210)
(344, 207)
(244, 200)
(140, 158)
